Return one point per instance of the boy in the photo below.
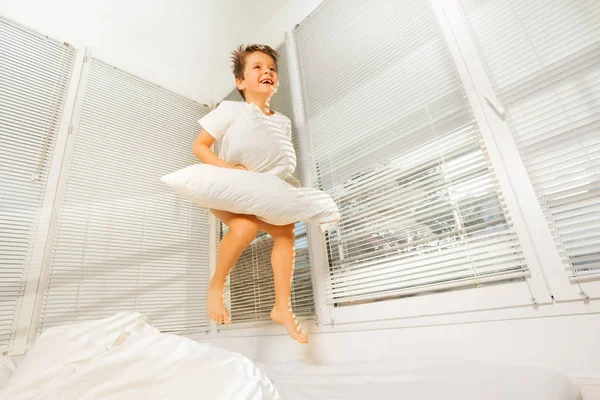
(255, 138)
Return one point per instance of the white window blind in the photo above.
(395, 143)
(543, 60)
(34, 75)
(123, 240)
(251, 292)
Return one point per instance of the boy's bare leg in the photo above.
(242, 231)
(282, 260)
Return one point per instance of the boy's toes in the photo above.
(301, 336)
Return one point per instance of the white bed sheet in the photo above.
(419, 379)
(7, 368)
(124, 358)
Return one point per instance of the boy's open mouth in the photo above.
(266, 82)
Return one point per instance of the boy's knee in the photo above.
(244, 228)
(285, 231)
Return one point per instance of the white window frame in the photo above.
(60, 190)
(66, 156)
(27, 322)
(37, 274)
(497, 138)
(515, 180)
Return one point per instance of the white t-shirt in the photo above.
(259, 142)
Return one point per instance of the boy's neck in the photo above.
(261, 101)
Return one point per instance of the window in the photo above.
(34, 75)
(543, 60)
(123, 240)
(397, 146)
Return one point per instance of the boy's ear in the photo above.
(239, 83)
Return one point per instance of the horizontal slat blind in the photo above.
(124, 241)
(252, 294)
(251, 282)
(282, 101)
(395, 143)
(34, 75)
(543, 58)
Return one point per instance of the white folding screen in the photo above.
(543, 60)
(251, 295)
(122, 240)
(34, 75)
(397, 146)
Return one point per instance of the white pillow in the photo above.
(243, 192)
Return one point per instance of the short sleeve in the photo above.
(218, 120)
(288, 130)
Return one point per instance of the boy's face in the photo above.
(260, 75)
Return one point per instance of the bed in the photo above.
(419, 379)
(124, 357)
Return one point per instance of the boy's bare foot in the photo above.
(215, 304)
(284, 316)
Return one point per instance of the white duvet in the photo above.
(125, 358)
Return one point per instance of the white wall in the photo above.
(181, 45)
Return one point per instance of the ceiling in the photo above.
(182, 45)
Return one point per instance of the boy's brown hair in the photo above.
(238, 59)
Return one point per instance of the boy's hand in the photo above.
(240, 167)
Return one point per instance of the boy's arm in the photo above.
(293, 181)
(201, 149)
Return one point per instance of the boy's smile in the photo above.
(260, 76)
